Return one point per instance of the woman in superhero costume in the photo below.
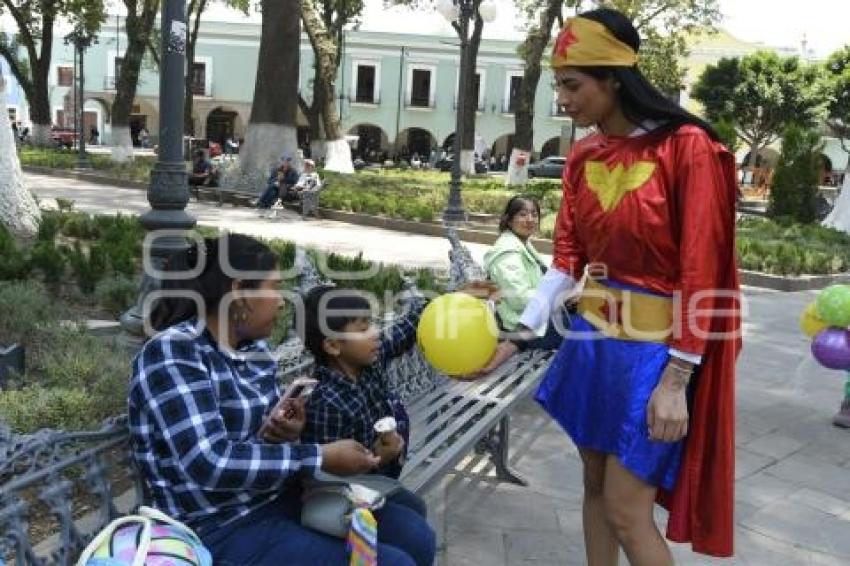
(644, 381)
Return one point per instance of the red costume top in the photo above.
(659, 211)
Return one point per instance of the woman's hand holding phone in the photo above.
(286, 420)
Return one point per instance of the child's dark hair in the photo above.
(514, 207)
(336, 308)
(244, 253)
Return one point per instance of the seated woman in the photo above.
(216, 447)
(516, 268)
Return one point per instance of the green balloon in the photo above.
(833, 305)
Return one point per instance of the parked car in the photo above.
(445, 164)
(63, 137)
(552, 167)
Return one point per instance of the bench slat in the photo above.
(425, 471)
(424, 468)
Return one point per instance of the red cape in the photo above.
(701, 504)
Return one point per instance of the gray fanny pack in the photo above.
(329, 500)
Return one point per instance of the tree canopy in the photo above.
(837, 85)
(664, 26)
(761, 94)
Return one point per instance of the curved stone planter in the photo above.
(791, 282)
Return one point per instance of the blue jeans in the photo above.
(272, 536)
(268, 198)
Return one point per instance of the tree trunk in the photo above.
(139, 28)
(40, 105)
(325, 49)
(196, 8)
(314, 121)
(532, 49)
(271, 130)
(470, 101)
(839, 216)
(18, 209)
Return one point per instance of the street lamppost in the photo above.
(168, 192)
(403, 52)
(458, 13)
(81, 39)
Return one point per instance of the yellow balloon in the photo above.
(810, 322)
(457, 334)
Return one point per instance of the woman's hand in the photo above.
(388, 447)
(667, 410)
(503, 352)
(347, 457)
(285, 422)
(482, 290)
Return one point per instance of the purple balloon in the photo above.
(831, 348)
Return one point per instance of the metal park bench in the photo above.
(306, 202)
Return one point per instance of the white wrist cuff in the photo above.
(545, 300)
(692, 358)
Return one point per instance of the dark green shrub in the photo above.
(32, 408)
(117, 294)
(64, 204)
(725, 128)
(47, 259)
(48, 226)
(88, 268)
(79, 225)
(13, 261)
(26, 307)
(795, 183)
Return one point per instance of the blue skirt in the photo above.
(597, 390)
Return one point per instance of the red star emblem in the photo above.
(605, 311)
(565, 40)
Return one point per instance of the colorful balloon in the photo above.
(831, 348)
(833, 305)
(810, 323)
(457, 334)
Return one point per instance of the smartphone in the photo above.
(301, 387)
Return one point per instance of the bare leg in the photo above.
(628, 503)
(599, 541)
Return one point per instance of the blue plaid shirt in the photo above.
(341, 408)
(194, 413)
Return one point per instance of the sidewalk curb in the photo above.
(791, 283)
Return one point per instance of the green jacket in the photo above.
(516, 268)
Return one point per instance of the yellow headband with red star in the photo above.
(586, 43)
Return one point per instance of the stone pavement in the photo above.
(793, 467)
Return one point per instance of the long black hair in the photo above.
(639, 99)
(514, 207)
(244, 254)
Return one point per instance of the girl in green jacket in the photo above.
(516, 268)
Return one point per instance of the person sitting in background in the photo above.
(280, 180)
(308, 181)
(202, 170)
